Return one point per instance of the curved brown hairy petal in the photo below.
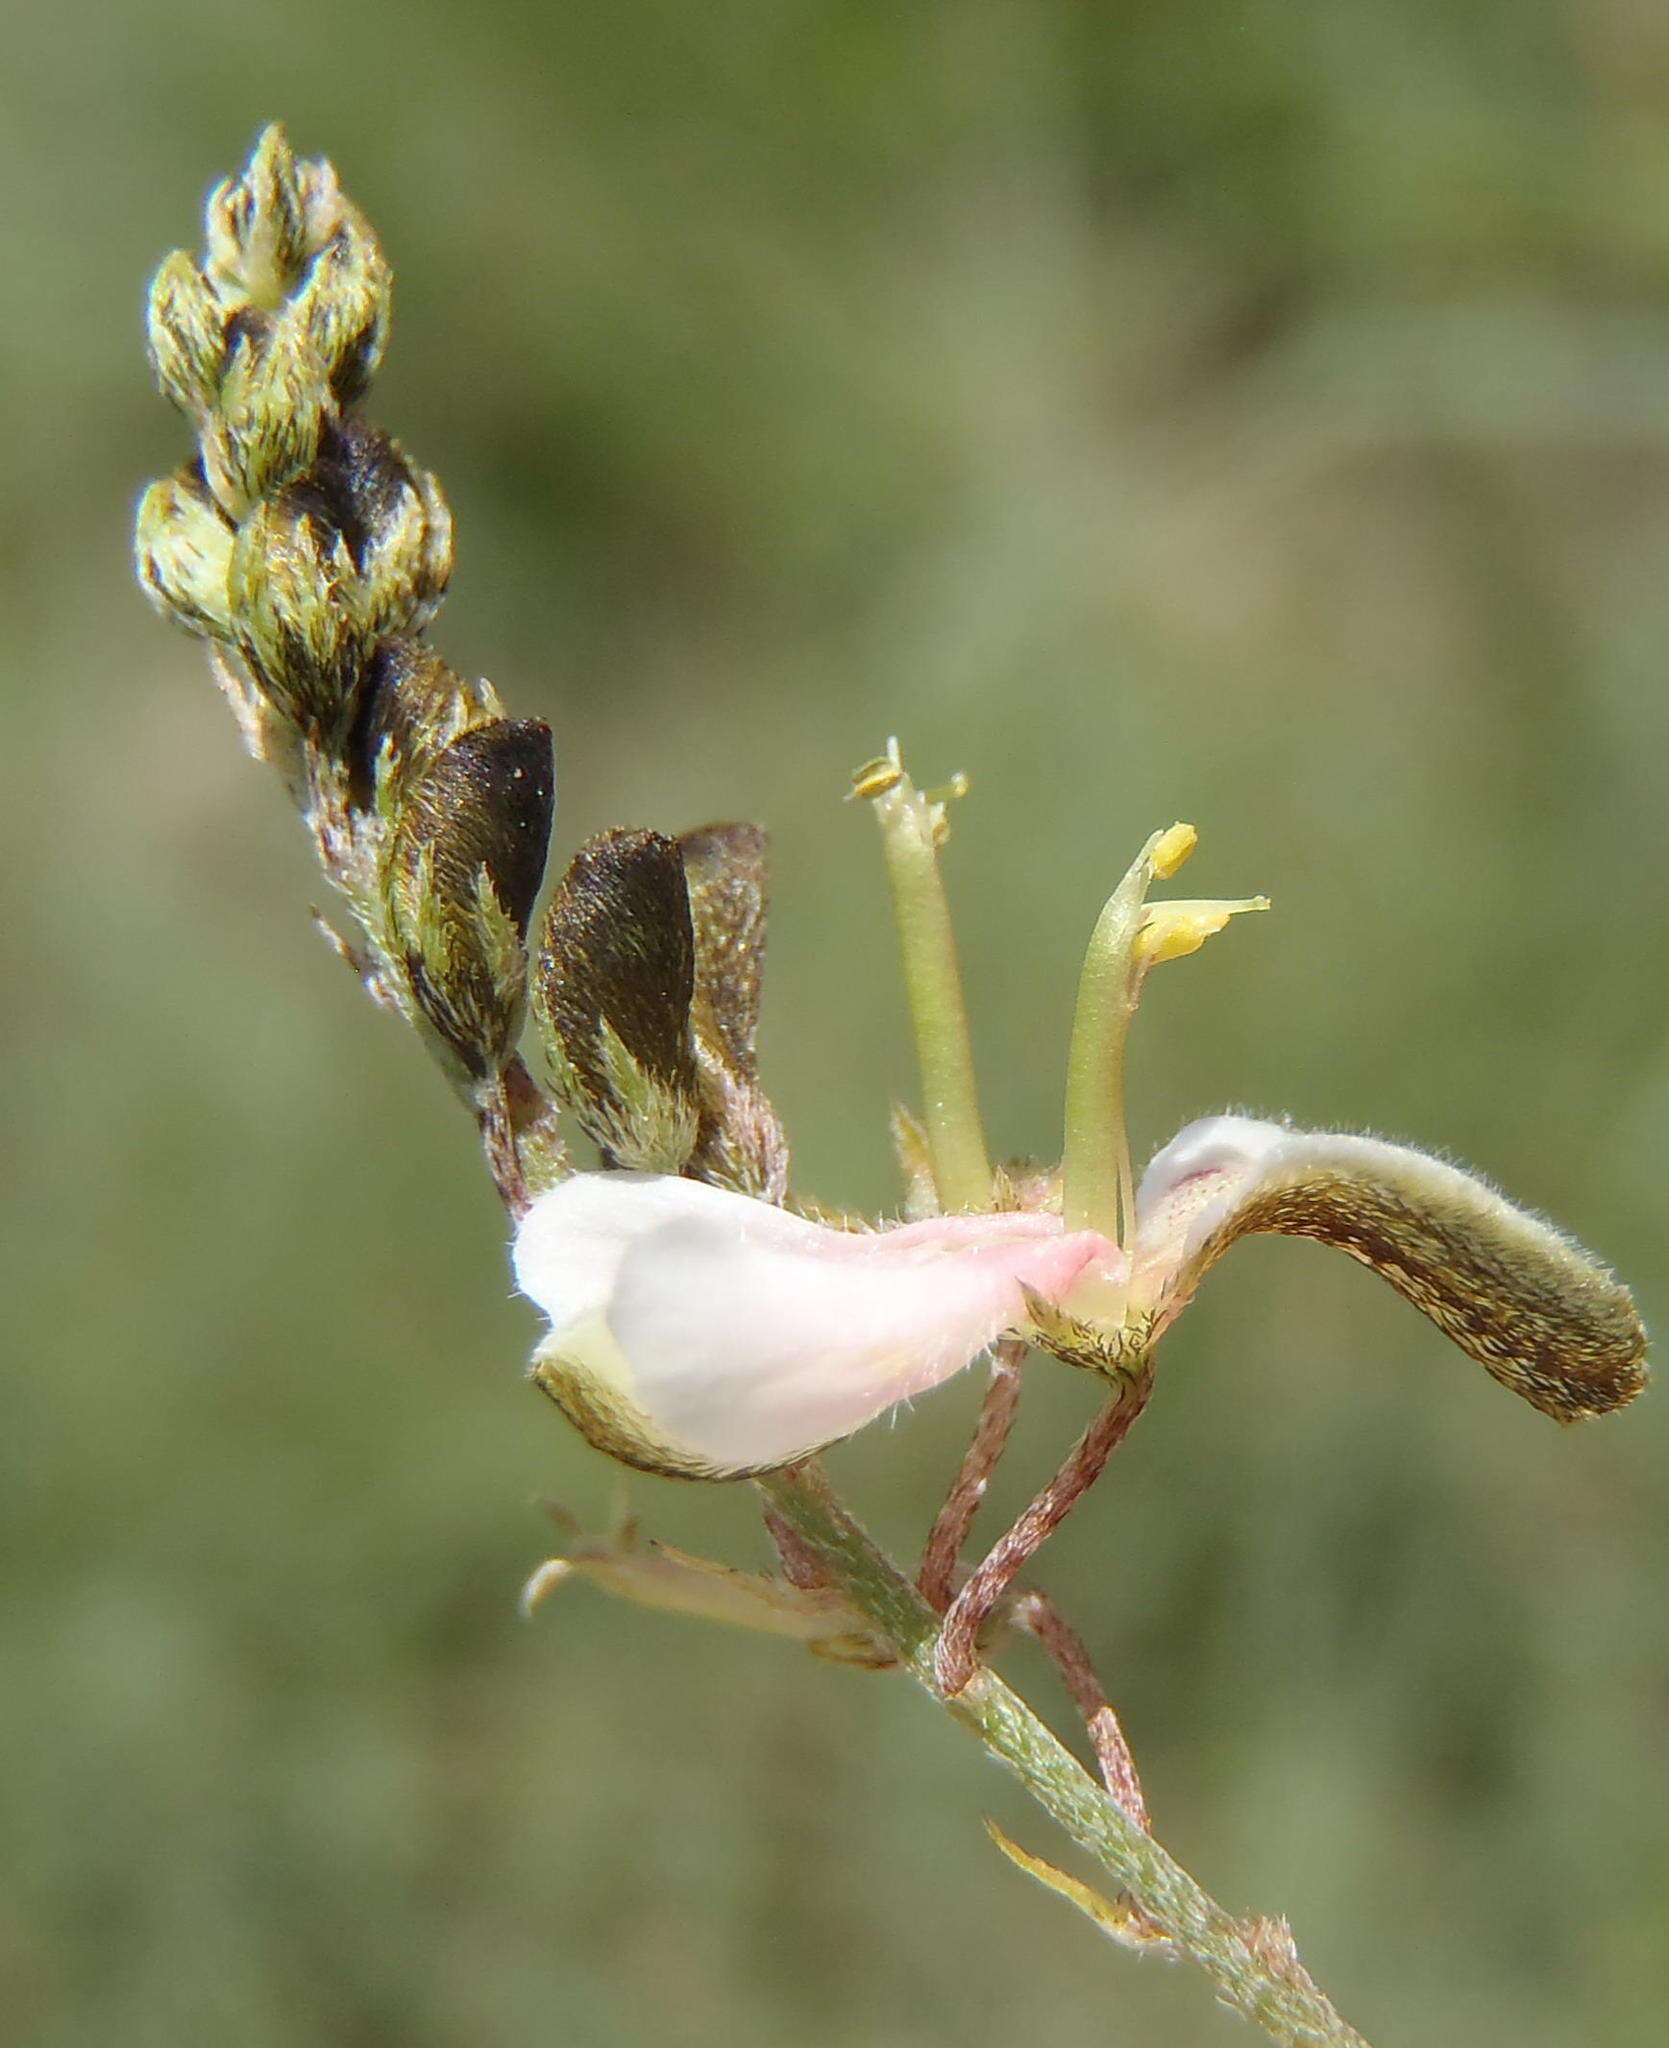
(1535, 1310)
(613, 991)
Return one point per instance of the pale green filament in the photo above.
(911, 826)
(1098, 1187)
(1130, 937)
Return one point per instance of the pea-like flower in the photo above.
(708, 1332)
(702, 1325)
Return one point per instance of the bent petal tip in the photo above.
(1536, 1311)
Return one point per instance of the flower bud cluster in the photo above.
(309, 549)
(311, 552)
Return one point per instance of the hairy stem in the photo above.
(1249, 1961)
(943, 1552)
(1038, 1615)
(957, 1654)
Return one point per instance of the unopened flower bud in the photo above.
(187, 332)
(407, 560)
(463, 869)
(343, 306)
(274, 403)
(613, 993)
(291, 587)
(183, 552)
(411, 706)
(260, 226)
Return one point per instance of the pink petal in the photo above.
(749, 1336)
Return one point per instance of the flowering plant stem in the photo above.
(1249, 1961)
(311, 553)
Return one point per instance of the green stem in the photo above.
(933, 985)
(1247, 1963)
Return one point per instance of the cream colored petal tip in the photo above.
(1538, 1312)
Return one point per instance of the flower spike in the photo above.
(1532, 1308)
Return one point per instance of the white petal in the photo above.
(1194, 1185)
(747, 1336)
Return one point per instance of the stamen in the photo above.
(1175, 846)
(1172, 931)
(913, 828)
(1098, 1187)
(1130, 938)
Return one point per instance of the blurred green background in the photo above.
(1255, 413)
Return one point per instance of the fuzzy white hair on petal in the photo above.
(1193, 1184)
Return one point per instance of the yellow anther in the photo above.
(1172, 850)
(938, 802)
(876, 777)
(1171, 931)
(947, 793)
